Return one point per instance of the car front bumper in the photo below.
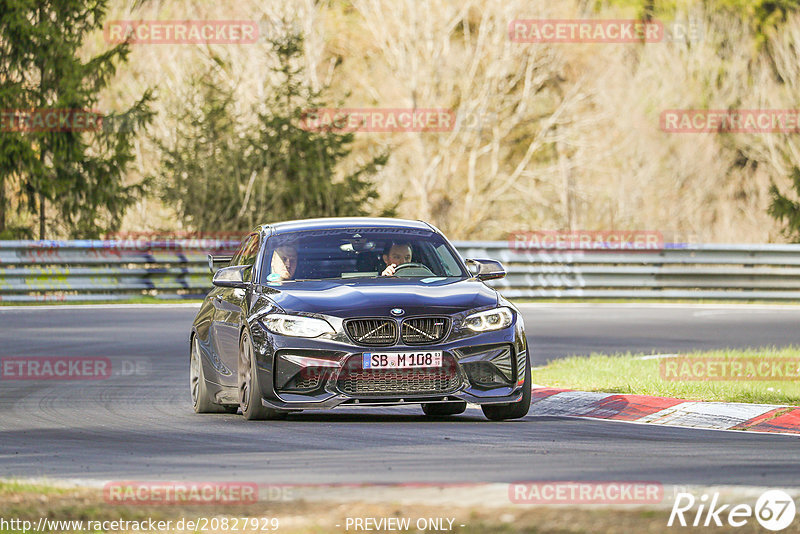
(306, 374)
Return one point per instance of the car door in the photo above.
(228, 303)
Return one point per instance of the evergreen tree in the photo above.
(224, 176)
(785, 209)
(78, 171)
(205, 167)
(304, 160)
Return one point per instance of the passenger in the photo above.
(284, 262)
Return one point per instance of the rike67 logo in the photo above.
(774, 510)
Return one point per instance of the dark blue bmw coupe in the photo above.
(319, 313)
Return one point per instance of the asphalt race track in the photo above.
(138, 423)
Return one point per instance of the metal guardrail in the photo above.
(32, 271)
(677, 271)
(110, 270)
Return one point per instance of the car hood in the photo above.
(377, 296)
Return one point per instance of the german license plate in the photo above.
(402, 360)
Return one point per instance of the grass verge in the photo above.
(637, 374)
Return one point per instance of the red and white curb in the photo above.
(666, 411)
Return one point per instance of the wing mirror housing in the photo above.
(231, 277)
(486, 269)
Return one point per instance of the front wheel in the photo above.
(249, 389)
(515, 410)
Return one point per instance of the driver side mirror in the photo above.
(486, 269)
(231, 277)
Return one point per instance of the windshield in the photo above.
(359, 252)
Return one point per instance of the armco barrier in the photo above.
(33, 271)
(105, 270)
(678, 271)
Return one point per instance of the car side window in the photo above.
(450, 266)
(248, 254)
(237, 256)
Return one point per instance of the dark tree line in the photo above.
(218, 174)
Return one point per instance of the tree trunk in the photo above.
(566, 187)
(41, 216)
(42, 89)
(2, 204)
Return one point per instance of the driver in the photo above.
(395, 254)
(284, 262)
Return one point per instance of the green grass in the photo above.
(9, 487)
(628, 373)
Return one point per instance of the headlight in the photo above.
(296, 325)
(488, 320)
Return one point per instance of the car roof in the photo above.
(331, 223)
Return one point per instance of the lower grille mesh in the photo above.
(355, 381)
(308, 378)
(485, 374)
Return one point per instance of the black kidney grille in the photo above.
(423, 330)
(372, 331)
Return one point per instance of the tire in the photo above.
(515, 410)
(202, 401)
(249, 389)
(440, 409)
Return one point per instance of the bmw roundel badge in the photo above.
(397, 312)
